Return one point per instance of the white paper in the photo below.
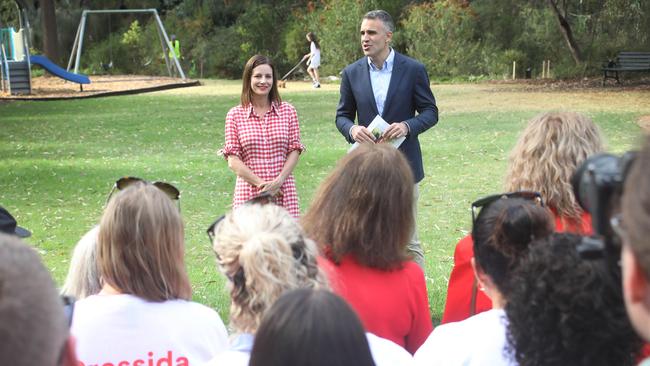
(377, 127)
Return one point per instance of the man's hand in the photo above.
(362, 135)
(395, 131)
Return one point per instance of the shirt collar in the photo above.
(243, 342)
(274, 109)
(388, 63)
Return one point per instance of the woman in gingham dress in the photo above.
(263, 139)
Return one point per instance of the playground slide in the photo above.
(57, 70)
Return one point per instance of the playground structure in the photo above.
(165, 43)
(16, 60)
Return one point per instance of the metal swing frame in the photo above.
(165, 43)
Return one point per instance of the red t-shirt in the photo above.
(461, 279)
(391, 304)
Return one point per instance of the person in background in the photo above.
(543, 160)
(313, 58)
(502, 231)
(33, 324)
(633, 226)
(568, 310)
(143, 313)
(362, 219)
(262, 139)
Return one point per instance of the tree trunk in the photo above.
(50, 34)
(565, 27)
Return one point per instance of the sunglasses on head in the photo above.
(486, 201)
(262, 199)
(172, 192)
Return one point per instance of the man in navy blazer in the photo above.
(392, 85)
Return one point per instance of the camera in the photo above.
(598, 186)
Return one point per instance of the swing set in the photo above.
(171, 61)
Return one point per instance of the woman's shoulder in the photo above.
(238, 110)
(285, 107)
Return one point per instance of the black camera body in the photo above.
(598, 186)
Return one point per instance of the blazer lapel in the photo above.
(367, 85)
(395, 78)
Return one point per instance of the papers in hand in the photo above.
(377, 128)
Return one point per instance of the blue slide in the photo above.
(57, 70)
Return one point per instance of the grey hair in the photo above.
(382, 15)
(83, 277)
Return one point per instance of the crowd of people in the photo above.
(344, 284)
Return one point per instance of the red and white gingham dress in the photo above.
(263, 144)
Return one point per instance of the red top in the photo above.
(461, 280)
(391, 304)
(263, 144)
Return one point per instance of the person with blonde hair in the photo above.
(263, 253)
(543, 160)
(362, 218)
(143, 313)
(83, 277)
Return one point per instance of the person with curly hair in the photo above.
(503, 230)
(263, 253)
(543, 160)
(567, 310)
(634, 229)
(362, 219)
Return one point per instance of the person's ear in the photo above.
(481, 277)
(70, 352)
(636, 281)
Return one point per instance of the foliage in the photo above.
(453, 38)
(442, 36)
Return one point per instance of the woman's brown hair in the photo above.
(141, 245)
(247, 92)
(365, 208)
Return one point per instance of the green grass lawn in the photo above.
(59, 160)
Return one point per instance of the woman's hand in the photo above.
(272, 186)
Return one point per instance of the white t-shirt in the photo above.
(387, 353)
(478, 340)
(124, 330)
(315, 58)
(384, 352)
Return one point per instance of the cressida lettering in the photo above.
(150, 360)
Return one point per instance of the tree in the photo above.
(50, 33)
(565, 27)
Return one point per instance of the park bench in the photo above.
(626, 61)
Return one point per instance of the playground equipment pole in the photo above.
(78, 45)
(169, 45)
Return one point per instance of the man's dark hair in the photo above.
(311, 327)
(383, 16)
(33, 326)
(566, 310)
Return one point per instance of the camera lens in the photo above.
(596, 175)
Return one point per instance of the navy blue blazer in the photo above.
(408, 92)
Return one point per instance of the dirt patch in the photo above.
(49, 87)
(588, 83)
(644, 123)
